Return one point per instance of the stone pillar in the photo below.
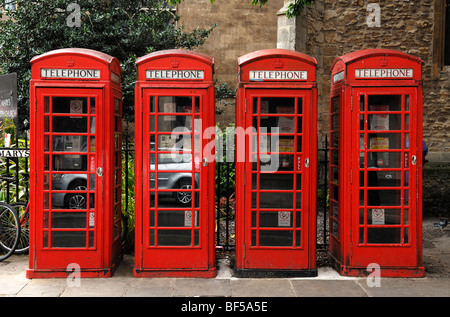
(286, 28)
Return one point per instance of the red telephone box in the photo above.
(376, 163)
(75, 164)
(175, 169)
(276, 114)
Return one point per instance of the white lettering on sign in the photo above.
(337, 77)
(70, 73)
(261, 75)
(14, 153)
(384, 73)
(175, 74)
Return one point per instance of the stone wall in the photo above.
(332, 28)
(436, 191)
(327, 29)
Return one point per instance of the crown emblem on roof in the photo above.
(278, 64)
(384, 61)
(175, 63)
(70, 62)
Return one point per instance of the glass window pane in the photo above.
(276, 200)
(175, 104)
(152, 104)
(71, 105)
(272, 238)
(177, 218)
(92, 105)
(69, 143)
(300, 125)
(70, 162)
(300, 106)
(385, 102)
(335, 104)
(168, 123)
(68, 220)
(299, 181)
(46, 104)
(68, 239)
(276, 219)
(361, 103)
(69, 201)
(384, 141)
(175, 199)
(174, 237)
(70, 125)
(384, 159)
(383, 216)
(298, 238)
(255, 105)
(383, 178)
(383, 235)
(274, 181)
(280, 105)
(335, 229)
(46, 124)
(383, 197)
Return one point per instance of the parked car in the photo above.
(174, 180)
(182, 180)
(69, 182)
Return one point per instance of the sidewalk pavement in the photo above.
(328, 283)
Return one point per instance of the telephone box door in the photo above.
(175, 218)
(387, 158)
(68, 213)
(277, 176)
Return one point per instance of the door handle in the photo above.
(99, 172)
(205, 161)
(307, 162)
(413, 160)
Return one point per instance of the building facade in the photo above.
(330, 28)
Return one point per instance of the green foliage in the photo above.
(128, 199)
(123, 29)
(224, 90)
(295, 8)
(225, 178)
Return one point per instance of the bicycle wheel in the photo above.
(22, 209)
(9, 230)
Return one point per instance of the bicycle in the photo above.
(9, 230)
(22, 210)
